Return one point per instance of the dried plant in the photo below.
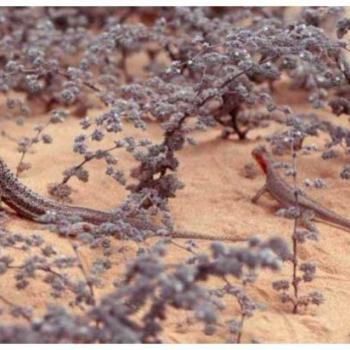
(201, 68)
(303, 230)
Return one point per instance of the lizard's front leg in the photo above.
(259, 194)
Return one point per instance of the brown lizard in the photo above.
(284, 193)
(32, 206)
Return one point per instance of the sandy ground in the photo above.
(216, 199)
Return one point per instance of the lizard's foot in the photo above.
(306, 220)
(310, 232)
(259, 194)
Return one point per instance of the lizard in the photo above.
(284, 193)
(31, 205)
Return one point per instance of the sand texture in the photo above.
(215, 200)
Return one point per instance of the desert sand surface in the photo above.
(215, 200)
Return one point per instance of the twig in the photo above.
(26, 149)
(295, 279)
(85, 274)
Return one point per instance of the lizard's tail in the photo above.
(334, 218)
(326, 214)
(196, 235)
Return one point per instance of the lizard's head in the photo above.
(261, 156)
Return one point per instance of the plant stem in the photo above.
(295, 281)
(82, 163)
(38, 133)
(239, 335)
